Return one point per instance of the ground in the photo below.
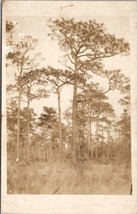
(63, 177)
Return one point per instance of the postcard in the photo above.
(69, 107)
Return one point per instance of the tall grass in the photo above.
(89, 177)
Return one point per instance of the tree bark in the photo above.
(60, 133)
(28, 131)
(91, 147)
(18, 115)
(97, 136)
(108, 141)
(18, 128)
(103, 146)
(74, 130)
(89, 130)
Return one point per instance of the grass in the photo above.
(63, 177)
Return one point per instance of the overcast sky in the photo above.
(32, 20)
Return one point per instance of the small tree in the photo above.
(23, 58)
(12, 108)
(95, 109)
(29, 81)
(48, 121)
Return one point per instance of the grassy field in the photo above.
(58, 177)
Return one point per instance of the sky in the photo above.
(34, 23)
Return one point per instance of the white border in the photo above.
(95, 204)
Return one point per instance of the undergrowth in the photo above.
(64, 177)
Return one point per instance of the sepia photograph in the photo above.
(67, 81)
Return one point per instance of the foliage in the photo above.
(87, 41)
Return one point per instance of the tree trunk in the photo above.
(50, 147)
(18, 128)
(91, 140)
(89, 130)
(108, 141)
(59, 112)
(74, 130)
(97, 136)
(103, 146)
(18, 115)
(28, 131)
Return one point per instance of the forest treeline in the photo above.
(89, 129)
